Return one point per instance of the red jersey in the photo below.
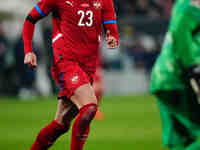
(78, 22)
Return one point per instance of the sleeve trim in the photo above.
(110, 22)
(40, 11)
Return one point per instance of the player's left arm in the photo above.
(110, 24)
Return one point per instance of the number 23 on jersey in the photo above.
(88, 15)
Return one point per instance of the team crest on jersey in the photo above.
(97, 4)
(195, 3)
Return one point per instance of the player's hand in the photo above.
(111, 40)
(30, 59)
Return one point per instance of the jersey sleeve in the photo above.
(42, 9)
(109, 15)
(109, 18)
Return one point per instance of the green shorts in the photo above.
(180, 115)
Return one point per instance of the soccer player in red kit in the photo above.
(77, 28)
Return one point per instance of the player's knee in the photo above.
(65, 117)
(66, 112)
(88, 113)
(70, 115)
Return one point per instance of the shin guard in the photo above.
(81, 126)
(48, 135)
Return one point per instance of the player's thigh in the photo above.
(84, 95)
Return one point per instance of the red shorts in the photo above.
(67, 71)
(69, 76)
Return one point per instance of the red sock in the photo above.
(48, 135)
(81, 126)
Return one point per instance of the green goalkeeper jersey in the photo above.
(181, 48)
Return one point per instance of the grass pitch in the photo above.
(130, 123)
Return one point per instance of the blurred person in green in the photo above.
(175, 78)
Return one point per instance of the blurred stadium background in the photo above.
(131, 117)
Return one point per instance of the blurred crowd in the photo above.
(142, 25)
(147, 8)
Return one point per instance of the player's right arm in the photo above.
(42, 9)
(110, 24)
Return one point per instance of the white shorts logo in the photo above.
(75, 78)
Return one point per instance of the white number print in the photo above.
(82, 13)
(89, 15)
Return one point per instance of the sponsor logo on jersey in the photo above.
(75, 79)
(69, 3)
(85, 5)
(97, 4)
(195, 3)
